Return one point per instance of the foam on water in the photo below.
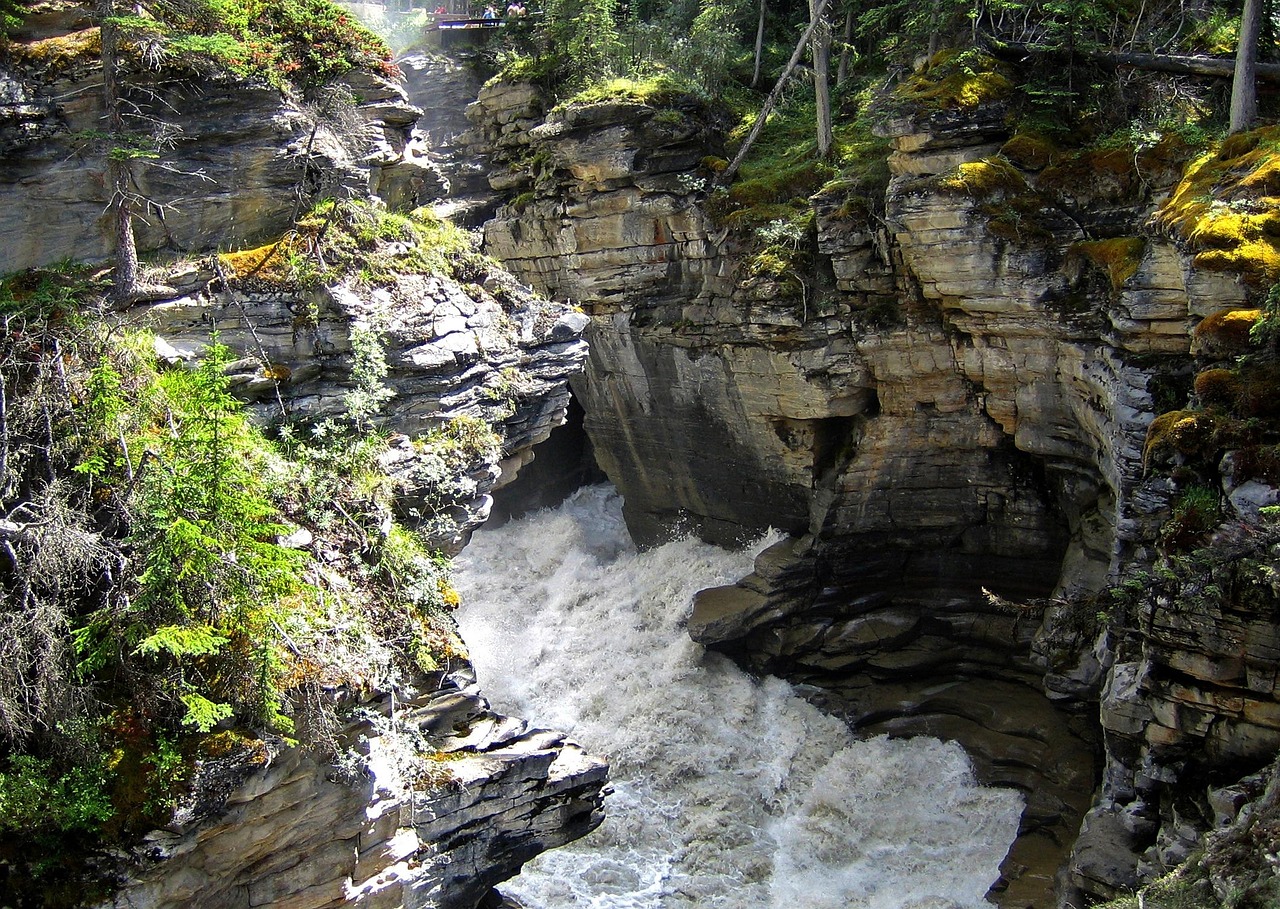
(728, 791)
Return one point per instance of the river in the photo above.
(728, 791)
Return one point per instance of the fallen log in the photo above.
(1213, 67)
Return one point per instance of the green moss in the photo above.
(60, 54)
(1217, 387)
(1226, 209)
(1030, 151)
(1119, 257)
(350, 237)
(1186, 433)
(659, 90)
(1014, 212)
(959, 82)
(988, 179)
(522, 201)
(1226, 332)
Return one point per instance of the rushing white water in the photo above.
(729, 791)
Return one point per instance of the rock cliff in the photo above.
(244, 157)
(449, 798)
(445, 798)
(456, 799)
(951, 424)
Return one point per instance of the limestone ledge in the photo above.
(292, 836)
(245, 154)
(451, 352)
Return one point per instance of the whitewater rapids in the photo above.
(729, 792)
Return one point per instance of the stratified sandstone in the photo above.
(954, 422)
(415, 828)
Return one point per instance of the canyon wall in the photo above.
(422, 828)
(242, 160)
(948, 418)
(438, 798)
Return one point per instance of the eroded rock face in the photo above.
(275, 829)
(244, 157)
(492, 351)
(453, 798)
(494, 794)
(961, 405)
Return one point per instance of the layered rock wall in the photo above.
(241, 161)
(953, 420)
(449, 798)
(455, 799)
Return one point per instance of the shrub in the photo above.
(37, 798)
(304, 42)
(1196, 513)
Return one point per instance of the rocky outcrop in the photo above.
(952, 422)
(443, 88)
(606, 212)
(440, 798)
(242, 158)
(490, 351)
(449, 800)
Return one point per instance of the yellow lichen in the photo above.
(1119, 257)
(1226, 209)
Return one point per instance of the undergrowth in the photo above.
(163, 592)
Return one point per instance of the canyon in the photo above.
(947, 414)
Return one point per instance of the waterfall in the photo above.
(729, 791)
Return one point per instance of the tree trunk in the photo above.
(118, 177)
(935, 29)
(1213, 67)
(755, 74)
(770, 102)
(822, 78)
(846, 48)
(1244, 88)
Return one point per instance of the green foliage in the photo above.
(301, 42)
(203, 526)
(1265, 331)
(37, 798)
(582, 37)
(44, 294)
(368, 370)
(1196, 513)
(712, 40)
(421, 583)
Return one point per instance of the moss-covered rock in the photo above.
(1226, 209)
